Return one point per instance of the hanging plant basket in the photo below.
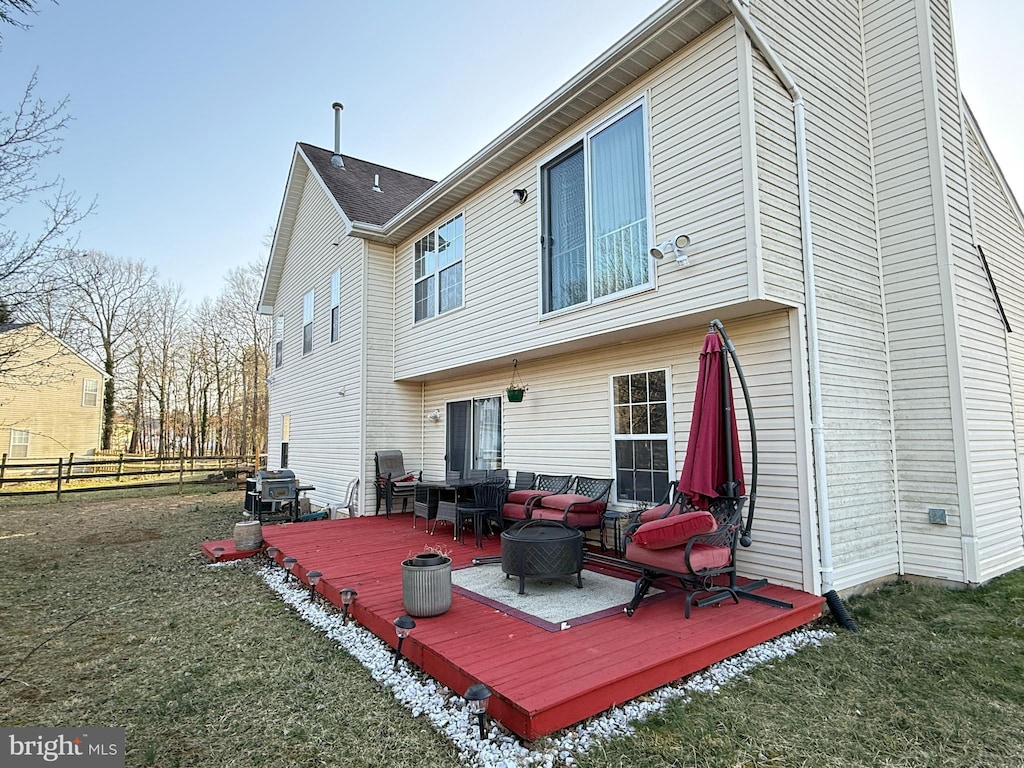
(516, 388)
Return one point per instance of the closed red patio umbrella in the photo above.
(714, 438)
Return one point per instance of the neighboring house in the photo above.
(51, 398)
(847, 223)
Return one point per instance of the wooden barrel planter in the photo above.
(248, 536)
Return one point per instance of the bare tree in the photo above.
(109, 294)
(166, 308)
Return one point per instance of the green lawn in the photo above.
(110, 617)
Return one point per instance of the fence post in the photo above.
(120, 465)
(181, 470)
(60, 476)
(71, 460)
(3, 468)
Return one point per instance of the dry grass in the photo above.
(204, 666)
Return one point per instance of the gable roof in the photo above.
(658, 37)
(352, 186)
(43, 333)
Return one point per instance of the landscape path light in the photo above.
(403, 626)
(479, 696)
(348, 595)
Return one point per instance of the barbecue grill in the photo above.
(277, 491)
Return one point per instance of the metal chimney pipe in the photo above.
(336, 160)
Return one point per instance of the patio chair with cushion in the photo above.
(393, 482)
(581, 507)
(520, 500)
(697, 547)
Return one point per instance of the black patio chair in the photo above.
(485, 507)
(392, 482)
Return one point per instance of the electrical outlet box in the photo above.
(936, 516)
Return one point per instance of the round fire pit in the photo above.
(542, 549)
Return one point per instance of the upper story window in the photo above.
(307, 323)
(278, 341)
(595, 228)
(640, 434)
(90, 393)
(438, 270)
(335, 305)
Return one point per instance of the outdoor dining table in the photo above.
(438, 500)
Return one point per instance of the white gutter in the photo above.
(810, 296)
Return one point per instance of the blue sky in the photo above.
(186, 113)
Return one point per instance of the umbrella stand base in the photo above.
(742, 592)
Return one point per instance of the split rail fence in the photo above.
(71, 474)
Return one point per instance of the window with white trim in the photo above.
(596, 230)
(437, 266)
(640, 419)
(90, 393)
(307, 323)
(278, 341)
(335, 305)
(19, 444)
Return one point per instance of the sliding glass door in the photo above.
(473, 434)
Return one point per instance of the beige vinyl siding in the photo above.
(697, 189)
(563, 425)
(41, 394)
(782, 257)
(826, 61)
(1000, 234)
(393, 412)
(325, 437)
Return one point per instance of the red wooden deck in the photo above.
(542, 681)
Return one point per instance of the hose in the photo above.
(840, 612)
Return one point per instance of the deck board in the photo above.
(542, 681)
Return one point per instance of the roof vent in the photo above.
(336, 160)
(376, 183)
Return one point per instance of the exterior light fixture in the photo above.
(521, 194)
(403, 626)
(289, 564)
(348, 595)
(434, 416)
(673, 248)
(272, 553)
(314, 579)
(478, 696)
(218, 552)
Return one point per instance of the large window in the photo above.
(90, 393)
(335, 304)
(641, 436)
(438, 270)
(474, 434)
(307, 323)
(595, 215)
(19, 443)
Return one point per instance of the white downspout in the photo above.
(810, 294)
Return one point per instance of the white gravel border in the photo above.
(448, 713)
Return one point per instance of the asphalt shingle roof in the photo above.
(352, 186)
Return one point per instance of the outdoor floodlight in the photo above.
(403, 626)
(478, 696)
(434, 416)
(673, 248)
(521, 194)
(348, 595)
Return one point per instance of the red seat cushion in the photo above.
(575, 519)
(524, 495)
(702, 557)
(655, 513)
(514, 511)
(581, 504)
(674, 530)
